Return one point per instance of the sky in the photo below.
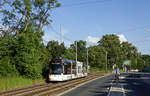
(91, 19)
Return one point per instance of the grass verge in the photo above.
(97, 70)
(7, 83)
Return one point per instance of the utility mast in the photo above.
(106, 60)
(76, 58)
(61, 34)
(87, 60)
(136, 60)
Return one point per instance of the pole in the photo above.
(60, 34)
(106, 60)
(136, 60)
(76, 58)
(87, 61)
(71, 69)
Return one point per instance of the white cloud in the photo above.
(91, 39)
(65, 31)
(148, 30)
(49, 37)
(51, 34)
(122, 38)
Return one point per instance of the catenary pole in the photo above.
(106, 60)
(61, 33)
(87, 60)
(76, 58)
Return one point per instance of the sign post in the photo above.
(125, 64)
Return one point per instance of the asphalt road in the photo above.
(137, 84)
(130, 84)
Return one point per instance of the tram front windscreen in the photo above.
(56, 68)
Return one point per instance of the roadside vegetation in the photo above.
(97, 70)
(23, 55)
(7, 83)
(24, 58)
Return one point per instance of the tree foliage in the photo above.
(7, 53)
(81, 50)
(97, 56)
(111, 43)
(55, 49)
(24, 13)
(146, 60)
(22, 51)
(117, 52)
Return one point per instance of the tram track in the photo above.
(46, 89)
(65, 87)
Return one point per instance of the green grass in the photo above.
(96, 70)
(7, 83)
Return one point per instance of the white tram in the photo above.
(64, 69)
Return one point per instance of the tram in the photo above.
(65, 69)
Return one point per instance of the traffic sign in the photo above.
(127, 62)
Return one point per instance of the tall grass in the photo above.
(7, 83)
(96, 70)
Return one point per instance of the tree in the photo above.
(28, 57)
(146, 60)
(81, 50)
(70, 54)
(7, 52)
(111, 43)
(97, 57)
(25, 13)
(55, 49)
(130, 52)
(24, 20)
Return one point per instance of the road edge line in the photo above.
(110, 89)
(124, 94)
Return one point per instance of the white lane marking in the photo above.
(124, 94)
(122, 77)
(116, 88)
(110, 88)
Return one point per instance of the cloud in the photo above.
(53, 34)
(91, 39)
(148, 30)
(48, 37)
(65, 31)
(122, 38)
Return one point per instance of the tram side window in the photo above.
(67, 68)
(56, 68)
(79, 69)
